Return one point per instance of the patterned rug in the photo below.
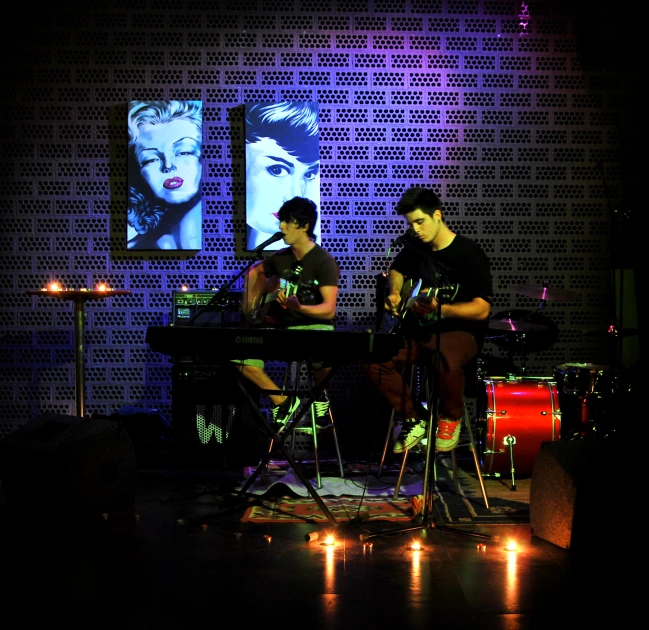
(508, 502)
(286, 500)
(344, 508)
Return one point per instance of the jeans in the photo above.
(457, 348)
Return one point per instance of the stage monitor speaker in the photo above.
(213, 422)
(63, 466)
(573, 486)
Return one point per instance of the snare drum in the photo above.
(583, 379)
(525, 408)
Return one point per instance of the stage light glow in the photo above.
(524, 19)
(328, 541)
(511, 546)
(53, 286)
(102, 287)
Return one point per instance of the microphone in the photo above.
(406, 236)
(269, 241)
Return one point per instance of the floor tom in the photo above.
(525, 408)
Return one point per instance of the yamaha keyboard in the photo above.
(213, 345)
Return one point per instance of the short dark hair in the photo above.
(292, 124)
(301, 210)
(417, 198)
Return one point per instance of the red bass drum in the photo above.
(522, 410)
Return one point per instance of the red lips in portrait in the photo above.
(173, 183)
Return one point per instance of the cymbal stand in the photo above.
(522, 346)
(427, 515)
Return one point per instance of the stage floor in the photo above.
(183, 557)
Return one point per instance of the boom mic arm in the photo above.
(406, 236)
(269, 241)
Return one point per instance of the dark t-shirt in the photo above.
(318, 268)
(462, 268)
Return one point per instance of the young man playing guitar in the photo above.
(297, 287)
(456, 284)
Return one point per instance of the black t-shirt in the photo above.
(462, 270)
(317, 269)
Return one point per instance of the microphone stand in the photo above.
(220, 295)
(427, 515)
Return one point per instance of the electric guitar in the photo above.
(412, 292)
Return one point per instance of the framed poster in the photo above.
(165, 175)
(282, 162)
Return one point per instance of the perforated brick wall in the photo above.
(514, 132)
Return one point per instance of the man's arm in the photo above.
(255, 287)
(325, 310)
(476, 309)
(395, 286)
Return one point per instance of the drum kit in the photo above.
(517, 412)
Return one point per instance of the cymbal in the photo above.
(542, 292)
(515, 326)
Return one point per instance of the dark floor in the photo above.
(181, 561)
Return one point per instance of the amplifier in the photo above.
(187, 303)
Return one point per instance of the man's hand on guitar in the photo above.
(423, 306)
(392, 302)
(290, 302)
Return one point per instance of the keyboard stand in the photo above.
(305, 406)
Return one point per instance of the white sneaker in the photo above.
(322, 415)
(412, 433)
(448, 434)
(283, 413)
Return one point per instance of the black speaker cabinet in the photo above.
(213, 422)
(65, 466)
(574, 491)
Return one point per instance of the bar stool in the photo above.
(420, 385)
(299, 381)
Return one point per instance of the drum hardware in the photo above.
(519, 339)
(509, 441)
(521, 331)
(515, 326)
(611, 331)
(586, 391)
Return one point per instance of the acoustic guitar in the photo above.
(274, 286)
(412, 292)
